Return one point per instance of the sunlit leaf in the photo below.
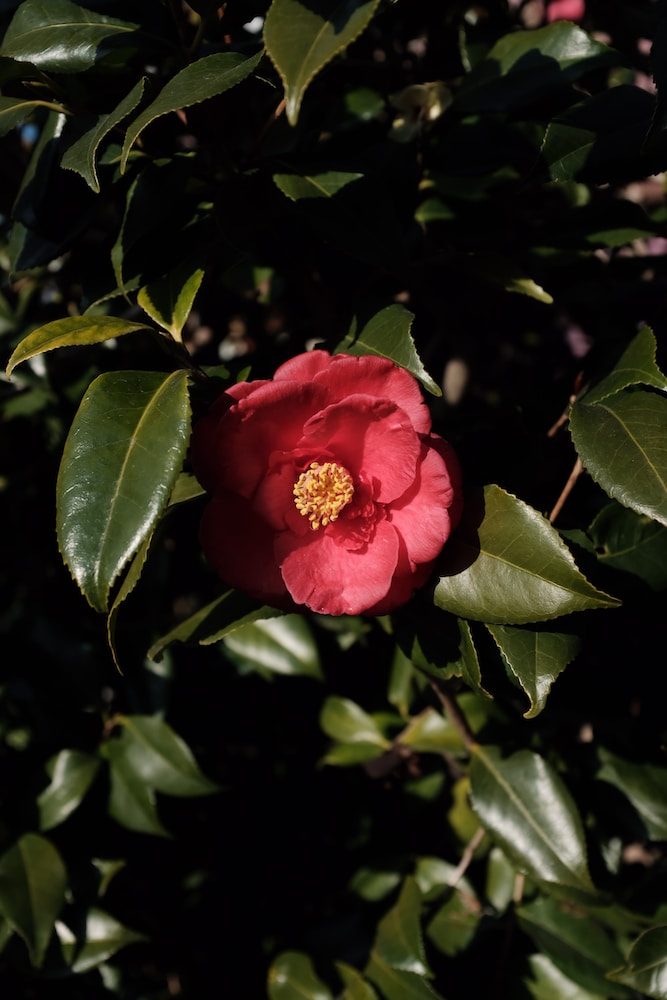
(396, 984)
(302, 36)
(71, 332)
(325, 185)
(169, 300)
(292, 977)
(356, 987)
(72, 774)
(387, 335)
(32, 891)
(343, 720)
(636, 366)
(14, 110)
(101, 937)
(535, 657)
(283, 645)
(399, 939)
(121, 459)
(131, 800)
(507, 565)
(159, 757)
(547, 982)
(527, 809)
(622, 442)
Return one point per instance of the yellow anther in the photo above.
(321, 493)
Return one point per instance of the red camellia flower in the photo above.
(328, 488)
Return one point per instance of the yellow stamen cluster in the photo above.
(322, 491)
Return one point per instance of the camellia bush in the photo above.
(334, 499)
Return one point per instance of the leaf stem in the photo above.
(567, 489)
(453, 711)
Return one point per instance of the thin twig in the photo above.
(567, 489)
(454, 713)
(466, 857)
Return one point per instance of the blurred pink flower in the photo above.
(566, 10)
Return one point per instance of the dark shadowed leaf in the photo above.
(32, 891)
(622, 442)
(529, 812)
(631, 542)
(62, 37)
(636, 366)
(15, 109)
(356, 987)
(131, 800)
(72, 774)
(580, 947)
(71, 332)
(82, 155)
(201, 80)
(471, 672)
(129, 582)
(302, 36)
(159, 757)
(101, 937)
(283, 645)
(123, 454)
(645, 785)
(387, 335)
(645, 968)
(535, 657)
(506, 564)
(325, 185)
(292, 977)
(455, 923)
(230, 611)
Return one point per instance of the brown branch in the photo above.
(466, 857)
(453, 712)
(567, 489)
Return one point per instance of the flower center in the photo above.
(321, 492)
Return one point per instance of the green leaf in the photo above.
(645, 968)
(131, 800)
(159, 757)
(636, 366)
(345, 721)
(645, 785)
(507, 565)
(356, 987)
(399, 938)
(101, 937)
(528, 811)
(71, 332)
(231, 611)
(535, 657)
(14, 110)
(283, 645)
(502, 272)
(292, 977)
(631, 542)
(81, 156)
(471, 671)
(72, 774)
(207, 77)
(298, 186)
(302, 36)
(395, 984)
(429, 732)
(185, 488)
(169, 300)
(622, 443)
(547, 982)
(351, 754)
(455, 923)
(122, 456)
(129, 582)
(566, 149)
(32, 891)
(62, 37)
(387, 335)
(579, 946)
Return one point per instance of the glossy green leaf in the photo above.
(345, 721)
(61, 36)
(645, 968)
(455, 923)
(507, 565)
(401, 682)
(292, 977)
(72, 774)
(14, 110)
(131, 800)
(547, 982)
(645, 785)
(399, 938)
(185, 488)
(523, 66)
(387, 335)
(502, 272)
(622, 442)
(207, 77)
(535, 657)
(580, 947)
(396, 984)
(71, 332)
(356, 987)
(128, 583)
(231, 611)
(283, 645)
(33, 880)
(82, 155)
(430, 732)
(101, 937)
(636, 366)
(471, 672)
(528, 811)
(169, 299)
(352, 754)
(325, 185)
(302, 36)
(122, 456)
(566, 149)
(374, 884)
(631, 542)
(159, 757)
(500, 880)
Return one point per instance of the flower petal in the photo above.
(303, 367)
(374, 440)
(328, 578)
